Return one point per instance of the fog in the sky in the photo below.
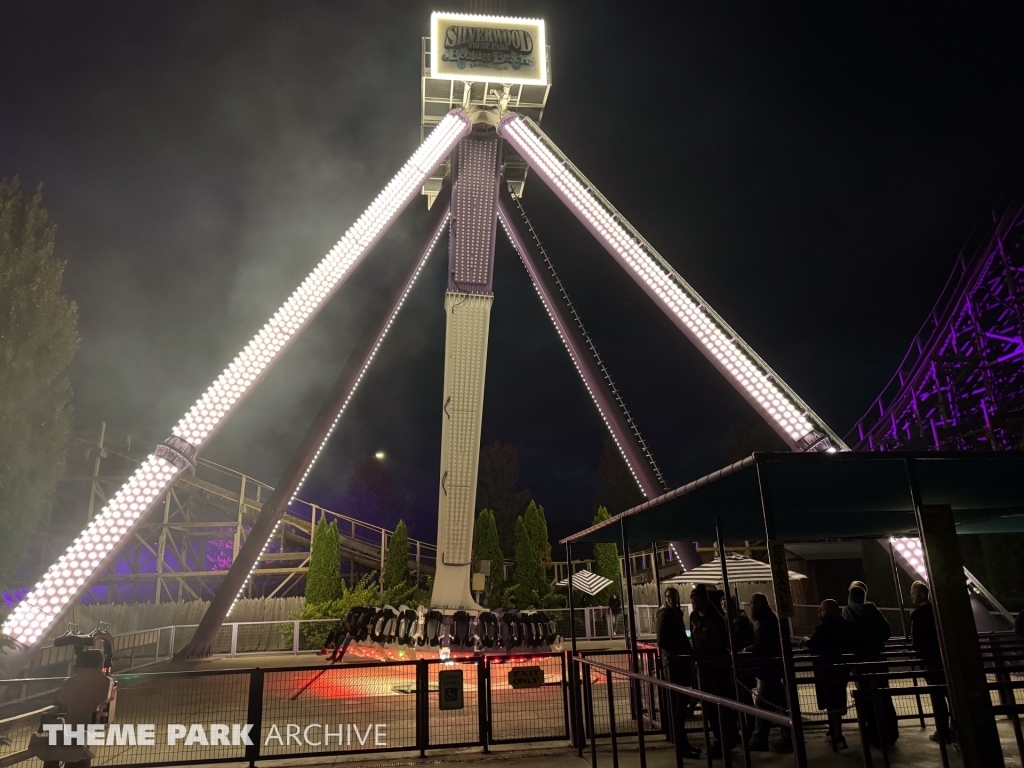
(812, 169)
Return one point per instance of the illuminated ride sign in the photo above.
(496, 49)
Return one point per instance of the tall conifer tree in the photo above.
(537, 527)
(396, 568)
(606, 559)
(527, 574)
(38, 336)
(486, 547)
(323, 580)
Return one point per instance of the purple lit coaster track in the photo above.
(960, 386)
(485, 136)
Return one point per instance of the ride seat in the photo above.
(435, 626)
(486, 629)
(407, 619)
(87, 690)
(460, 629)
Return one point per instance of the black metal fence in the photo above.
(395, 706)
(335, 710)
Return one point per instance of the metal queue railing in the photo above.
(641, 699)
(900, 675)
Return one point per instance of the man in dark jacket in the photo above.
(676, 660)
(872, 632)
(832, 638)
(924, 638)
(615, 607)
(710, 637)
(771, 693)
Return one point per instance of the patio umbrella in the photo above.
(588, 582)
(741, 570)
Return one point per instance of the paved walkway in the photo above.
(913, 750)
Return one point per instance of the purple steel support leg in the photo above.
(587, 361)
(274, 509)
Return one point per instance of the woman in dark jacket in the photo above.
(832, 638)
(771, 693)
(676, 659)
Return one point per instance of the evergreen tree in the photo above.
(537, 527)
(323, 580)
(486, 547)
(38, 336)
(396, 567)
(497, 489)
(527, 574)
(606, 559)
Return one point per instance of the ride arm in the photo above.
(312, 444)
(95, 549)
(770, 396)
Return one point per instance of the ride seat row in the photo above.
(425, 627)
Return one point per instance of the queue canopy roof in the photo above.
(829, 495)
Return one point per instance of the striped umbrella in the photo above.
(741, 570)
(588, 582)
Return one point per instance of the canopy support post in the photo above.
(628, 568)
(896, 585)
(784, 607)
(965, 674)
(572, 614)
(574, 693)
(638, 698)
(732, 640)
(657, 576)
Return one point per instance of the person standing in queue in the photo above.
(742, 636)
(924, 638)
(677, 664)
(872, 632)
(771, 693)
(710, 637)
(742, 626)
(615, 606)
(832, 638)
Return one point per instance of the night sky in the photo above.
(811, 168)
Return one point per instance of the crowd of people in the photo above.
(847, 644)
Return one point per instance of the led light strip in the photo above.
(348, 398)
(68, 576)
(575, 362)
(910, 550)
(791, 417)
